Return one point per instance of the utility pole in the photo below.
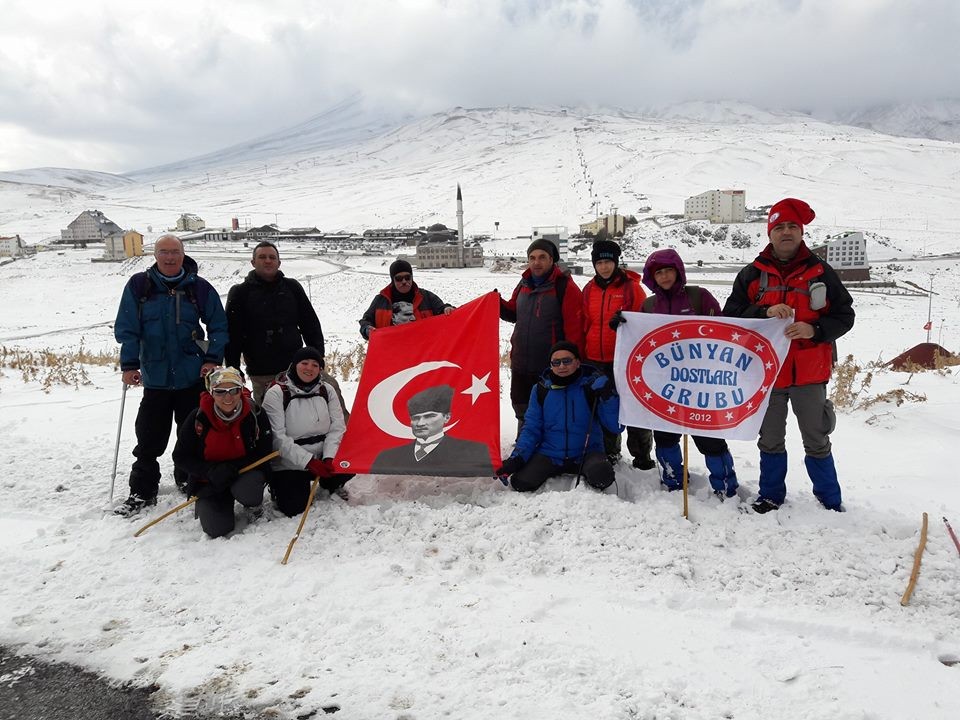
(930, 308)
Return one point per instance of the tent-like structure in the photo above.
(923, 355)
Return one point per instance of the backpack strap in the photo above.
(648, 304)
(695, 296)
(542, 391)
(288, 397)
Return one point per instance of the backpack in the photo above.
(694, 294)
(196, 292)
(288, 397)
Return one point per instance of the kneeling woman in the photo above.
(223, 435)
(307, 422)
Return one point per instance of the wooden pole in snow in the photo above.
(915, 573)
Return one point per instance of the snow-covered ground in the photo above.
(428, 598)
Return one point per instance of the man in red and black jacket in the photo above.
(401, 302)
(547, 307)
(788, 281)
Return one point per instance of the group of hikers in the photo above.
(185, 349)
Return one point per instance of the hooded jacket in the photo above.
(380, 313)
(163, 336)
(676, 300)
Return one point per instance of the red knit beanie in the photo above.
(790, 210)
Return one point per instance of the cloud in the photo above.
(131, 84)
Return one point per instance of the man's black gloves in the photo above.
(616, 320)
(511, 465)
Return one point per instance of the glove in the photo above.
(221, 475)
(602, 388)
(318, 468)
(328, 464)
(616, 320)
(196, 487)
(511, 465)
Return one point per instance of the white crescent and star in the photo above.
(380, 400)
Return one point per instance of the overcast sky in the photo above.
(116, 85)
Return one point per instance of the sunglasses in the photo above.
(561, 361)
(226, 391)
(403, 278)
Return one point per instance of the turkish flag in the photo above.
(428, 402)
(928, 325)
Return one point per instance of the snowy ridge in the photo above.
(532, 166)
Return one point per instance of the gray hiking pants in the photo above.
(815, 417)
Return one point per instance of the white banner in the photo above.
(707, 376)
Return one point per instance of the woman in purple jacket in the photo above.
(665, 275)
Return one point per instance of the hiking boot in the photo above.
(613, 458)
(254, 513)
(182, 484)
(134, 504)
(644, 463)
(341, 492)
(672, 487)
(762, 505)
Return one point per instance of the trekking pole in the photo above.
(586, 442)
(191, 501)
(303, 519)
(116, 450)
(953, 535)
(686, 482)
(915, 573)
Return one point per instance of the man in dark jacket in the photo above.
(164, 348)
(788, 281)
(546, 306)
(270, 318)
(401, 301)
(563, 429)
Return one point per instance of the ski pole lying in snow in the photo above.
(116, 450)
(686, 480)
(915, 573)
(303, 519)
(953, 535)
(191, 501)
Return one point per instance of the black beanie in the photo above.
(548, 247)
(306, 353)
(399, 266)
(605, 250)
(568, 346)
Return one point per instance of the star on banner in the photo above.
(478, 386)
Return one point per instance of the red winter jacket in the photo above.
(380, 313)
(810, 361)
(623, 292)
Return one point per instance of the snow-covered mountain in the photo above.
(939, 120)
(520, 167)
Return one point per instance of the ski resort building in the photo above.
(557, 234)
(447, 255)
(847, 254)
(121, 247)
(190, 223)
(90, 226)
(613, 224)
(12, 247)
(717, 206)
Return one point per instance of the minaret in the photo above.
(460, 250)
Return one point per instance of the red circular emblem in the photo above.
(702, 373)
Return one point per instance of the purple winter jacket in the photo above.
(675, 301)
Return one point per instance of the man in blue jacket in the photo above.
(164, 348)
(562, 424)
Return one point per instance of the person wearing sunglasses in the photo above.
(400, 302)
(563, 426)
(226, 433)
(308, 424)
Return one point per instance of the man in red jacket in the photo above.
(612, 290)
(547, 307)
(788, 281)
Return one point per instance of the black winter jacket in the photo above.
(268, 322)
